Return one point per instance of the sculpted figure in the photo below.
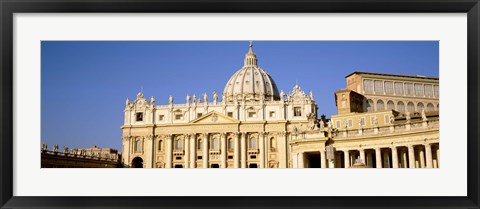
(44, 147)
(152, 100)
(282, 96)
(170, 100)
(65, 149)
(187, 99)
(127, 102)
(424, 117)
(194, 99)
(205, 98)
(215, 96)
(311, 95)
(392, 118)
(223, 98)
(55, 148)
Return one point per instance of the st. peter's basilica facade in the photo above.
(253, 125)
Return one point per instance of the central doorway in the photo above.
(312, 160)
(214, 166)
(137, 162)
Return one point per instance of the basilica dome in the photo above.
(251, 83)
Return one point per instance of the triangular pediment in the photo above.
(214, 117)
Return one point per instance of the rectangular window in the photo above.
(378, 87)
(178, 116)
(373, 119)
(350, 123)
(252, 114)
(387, 119)
(139, 116)
(418, 89)
(230, 114)
(272, 114)
(428, 90)
(199, 115)
(368, 86)
(398, 88)
(362, 121)
(338, 124)
(435, 90)
(297, 111)
(389, 87)
(161, 117)
(408, 88)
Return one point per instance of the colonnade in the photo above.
(425, 155)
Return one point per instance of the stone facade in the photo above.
(253, 125)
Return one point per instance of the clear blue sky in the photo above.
(85, 84)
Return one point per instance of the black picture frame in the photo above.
(10, 7)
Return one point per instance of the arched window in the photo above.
(252, 143)
(430, 107)
(214, 143)
(411, 107)
(420, 107)
(273, 144)
(369, 105)
(390, 105)
(160, 145)
(380, 105)
(401, 107)
(199, 144)
(138, 145)
(230, 144)
(178, 144)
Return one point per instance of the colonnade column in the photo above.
(428, 153)
(187, 150)
(422, 158)
(346, 158)
(378, 157)
(411, 157)
(323, 160)
(193, 150)
(243, 148)
(236, 150)
(205, 151)
(394, 157)
(168, 161)
(261, 138)
(362, 156)
(438, 157)
(223, 151)
(404, 158)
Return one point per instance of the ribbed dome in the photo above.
(251, 82)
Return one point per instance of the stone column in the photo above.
(386, 159)
(243, 148)
(411, 157)
(428, 153)
(223, 151)
(404, 158)
(301, 160)
(362, 156)
(236, 151)
(323, 158)
(394, 157)
(193, 150)
(205, 150)
(378, 157)
(346, 158)
(186, 144)
(148, 150)
(283, 152)
(261, 139)
(438, 157)
(168, 159)
(422, 158)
